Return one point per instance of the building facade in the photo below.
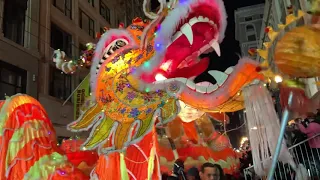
(29, 32)
(248, 23)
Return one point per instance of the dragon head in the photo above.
(190, 29)
(127, 94)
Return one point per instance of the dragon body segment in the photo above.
(28, 140)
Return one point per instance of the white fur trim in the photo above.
(107, 36)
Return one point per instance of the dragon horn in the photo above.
(147, 11)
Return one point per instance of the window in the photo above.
(91, 2)
(64, 6)
(250, 28)
(12, 80)
(14, 20)
(252, 37)
(261, 15)
(61, 40)
(86, 23)
(60, 84)
(248, 18)
(104, 11)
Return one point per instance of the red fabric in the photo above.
(72, 149)
(89, 157)
(300, 104)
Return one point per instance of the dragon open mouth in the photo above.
(195, 35)
(198, 34)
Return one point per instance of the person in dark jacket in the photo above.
(193, 174)
(178, 171)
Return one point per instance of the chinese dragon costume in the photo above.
(138, 81)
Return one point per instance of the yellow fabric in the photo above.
(264, 63)
(45, 166)
(151, 163)
(263, 53)
(267, 44)
(30, 131)
(272, 34)
(123, 168)
(80, 95)
(293, 84)
(99, 134)
(11, 104)
(86, 119)
(281, 26)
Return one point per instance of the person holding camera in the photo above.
(311, 127)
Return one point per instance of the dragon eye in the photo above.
(120, 43)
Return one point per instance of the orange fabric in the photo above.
(108, 167)
(22, 166)
(21, 109)
(219, 117)
(190, 131)
(136, 158)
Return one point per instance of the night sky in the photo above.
(230, 52)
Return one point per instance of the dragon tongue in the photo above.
(187, 31)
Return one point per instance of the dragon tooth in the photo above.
(191, 84)
(215, 45)
(219, 76)
(187, 31)
(193, 21)
(229, 70)
(176, 36)
(212, 88)
(201, 89)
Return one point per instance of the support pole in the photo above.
(284, 122)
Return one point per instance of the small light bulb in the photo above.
(278, 79)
